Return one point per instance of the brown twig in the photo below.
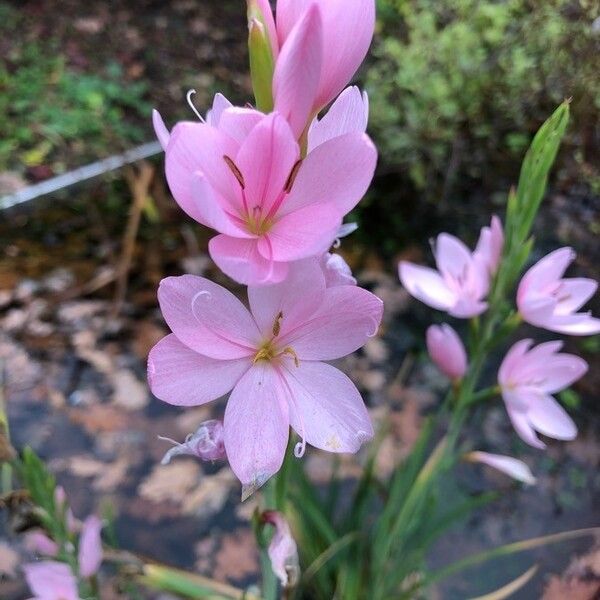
(139, 185)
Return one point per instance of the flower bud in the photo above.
(90, 547)
(508, 465)
(261, 65)
(207, 443)
(447, 351)
(282, 550)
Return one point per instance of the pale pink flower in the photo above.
(490, 245)
(206, 443)
(458, 287)
(50, 580)
(336, 270)
(347, 31)
(282, 550)
(512, 467)
(528, 377)
(90, 547)
(548, 301)
(246, 181)
(447, 350)
(271, 356)
(38, 542)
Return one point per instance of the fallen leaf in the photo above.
(98, 417)
(237, 558)
(209, 497)
(128, 391)
(170, 482)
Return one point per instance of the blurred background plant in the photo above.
(458, 88)
(52, 112)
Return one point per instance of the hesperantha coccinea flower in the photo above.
(528, 377)
(271, 357)
(244, 177)
(460, 284)
(548, 300)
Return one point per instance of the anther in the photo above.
(277, 324)
(292, 176)
(188, 97)
(234, 169)
(293, 354)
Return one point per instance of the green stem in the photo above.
(6, 472)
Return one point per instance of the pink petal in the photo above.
(207, 318)
(426, 285)
(197, 147)
(452, 257)
(348, 316)
(555, 373)
(511, 360)
(238, 122)
(573, 293)
(336, 270)
(266, 159)
(514, 468)
(348, 30)
(90, 547)
(220, 103)
(577, 324)
(241, 260)
(282, 550)
(348, 114)
(256, 427)
(545, 272)
(183, 377)
(338, 171)
(50, 580)
(523, 428)
(298, 70)
(548, 417)
(39, 543)
(160, 129)
(207, 209)
(326, 409)
(465, 308)
(296, 298)
(305, 232)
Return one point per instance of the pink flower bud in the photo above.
(447, 351)
(207, 443)
(90, 547)
(510, 466)
(282, 550)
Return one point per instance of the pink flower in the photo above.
(347, 30)
(545, 300)
(512, 467)
(447, 351)
(245, 180)
(90, 547)
(206, 443)
(271, 357)
(528, 376)
(51, 580)
(282, 550)
(458, 286)
(490, 245)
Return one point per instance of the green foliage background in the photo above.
(457, 87)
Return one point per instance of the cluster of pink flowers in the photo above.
(54, 580)
(275, 187)
(528, 375)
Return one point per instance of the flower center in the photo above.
(269, 351)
